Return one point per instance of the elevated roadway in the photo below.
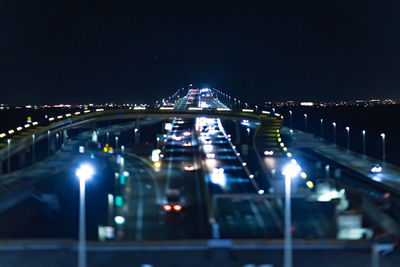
(18, 142)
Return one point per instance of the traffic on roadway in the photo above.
(198, 178)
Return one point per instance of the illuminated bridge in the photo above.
(202, 176)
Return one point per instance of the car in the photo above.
(189, 166)
(376, 169)
(210, 155)
(173, 201)
(178, 138)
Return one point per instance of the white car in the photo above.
(376, 169)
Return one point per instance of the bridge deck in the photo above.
(389, 177)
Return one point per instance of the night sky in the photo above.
(132, 52)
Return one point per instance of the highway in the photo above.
(225, 173)
(221, 191)
(190, 177)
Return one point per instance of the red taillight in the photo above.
(177, 207)
(167, 207)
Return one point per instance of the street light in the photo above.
(33, 149)
(136, 135)
(48, 143)
(334, 132)
(290, 171)
(383, 147)
(94, 137)
(363, 143)
(8, 155)
(84, 173)
(119, 220)
(57, 140)
(305, 122)
(322, 128)
(348, 138)
(291, 119)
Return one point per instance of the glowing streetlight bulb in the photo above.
(291, 170)
(85, 172)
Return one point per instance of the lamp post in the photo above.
(110, 198)
(348, 138)
(305, 122)
(8, 155)
(84, 173)
(322, 128)
(94, 137)
(158, 142)
(334, 132)
(291, 119)
(33, 149)
(290, 171)
(116, 142)
(363, 143)
(136, 135)
(383, 147)
(57, 141)
(48, 143)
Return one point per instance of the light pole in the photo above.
(305, 122)
(348, 138)
(110, 208)
(136, 135)
(94, 137)
(158, 142)
(334, 132)
(33, 149)
(84, 172)
(290, 171)
(8, 155)
(363, 143)
(322, 128)
(383, 147)
(291, 119)
(57, 142)
(116, 142)
(48, 143)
